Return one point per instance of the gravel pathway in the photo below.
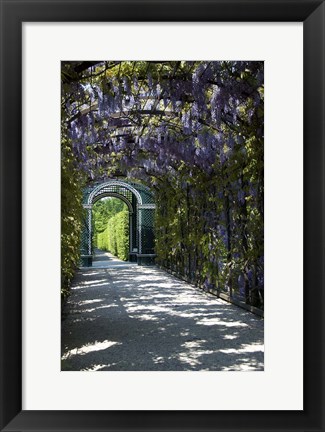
(123, 317)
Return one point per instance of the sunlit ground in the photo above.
(141, 318)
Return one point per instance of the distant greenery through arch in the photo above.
(111, 227)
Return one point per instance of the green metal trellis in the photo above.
(141, 207)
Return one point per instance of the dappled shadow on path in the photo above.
(141, 318)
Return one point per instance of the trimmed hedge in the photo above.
(115, 237)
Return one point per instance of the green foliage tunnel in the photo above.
(194, 133)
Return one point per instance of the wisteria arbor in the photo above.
(192, 131)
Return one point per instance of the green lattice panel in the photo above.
(147, 231)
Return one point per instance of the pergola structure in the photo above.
(192, 131)
(141, 207)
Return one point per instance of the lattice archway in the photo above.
(140, 202)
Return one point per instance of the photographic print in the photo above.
(162, 253)
(162, 215)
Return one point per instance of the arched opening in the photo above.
(141, 207)
(110, 227)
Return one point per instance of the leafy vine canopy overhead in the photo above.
(152, 120)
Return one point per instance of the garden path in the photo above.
(125, 317)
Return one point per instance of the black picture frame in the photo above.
(13, 14)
